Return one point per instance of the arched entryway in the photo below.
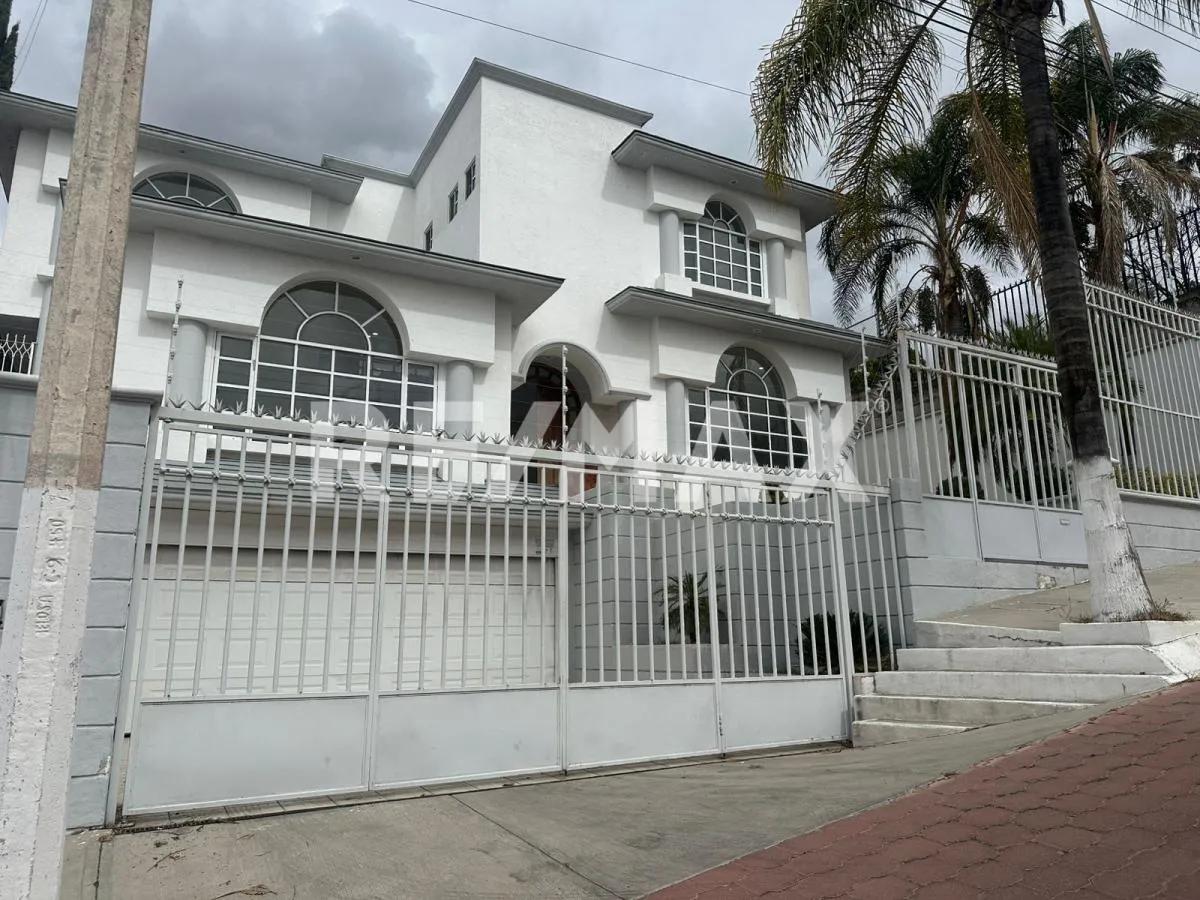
(536, 405)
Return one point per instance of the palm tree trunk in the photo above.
(1118, 588)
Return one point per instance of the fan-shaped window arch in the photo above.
(184, 187)
(745, 415)
(330, 352)
(717, 252)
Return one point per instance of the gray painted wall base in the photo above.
(940, 573)
(111, 580)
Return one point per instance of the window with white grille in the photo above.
(745, 415)
(327, 352)
(717, 252)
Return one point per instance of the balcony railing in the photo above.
(17, 352)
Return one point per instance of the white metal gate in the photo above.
(332, 609)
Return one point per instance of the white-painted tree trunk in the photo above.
(1118, 588)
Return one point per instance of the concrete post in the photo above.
(191, 347)
(677, 418)
(44, 618)
(668, 242)
(776, 273)
(460, 398)
(627, 427)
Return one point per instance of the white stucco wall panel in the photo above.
(229, 286)
(554, 201)
(462, 143)
(381, 211)
(28, 230)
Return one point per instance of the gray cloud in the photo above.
(273, 76)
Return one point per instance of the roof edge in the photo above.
(349, 241)
(338, 184)
(365, 170)
(628, 299)
(824, 198)
(481, 68)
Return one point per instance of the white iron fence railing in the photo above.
(986, 424)
(286, 564)
(16, 353)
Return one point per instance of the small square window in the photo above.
(429, 235)
(469, 178)
(453, 203)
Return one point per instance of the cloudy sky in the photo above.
(366, 79)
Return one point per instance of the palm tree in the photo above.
(1128, 158)
(8, 46)
(930, 216)
(862, 72)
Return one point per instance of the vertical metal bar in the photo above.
(562, 656)
(583, 630)
(313, 496)
(696, 585)
(206, 574)
(616, 554)
(281, 610)
(327, 649)
(466, 604)
(834, 534)
(666, 583)
(402, 626)
(428, 538)
(185, 513)
(543, 673)
(633, 601)
(487, 576)
(256, 603)
(233, 559)
(682, 609)
(382, 526)
(842, 608)
(714, 625)
(446, 586)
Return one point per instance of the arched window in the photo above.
(745, 416)
(326, 351)
(717, 252)
(184, 187)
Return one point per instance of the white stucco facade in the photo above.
(572, 205)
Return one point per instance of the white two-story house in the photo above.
(536, 217)
(540, 225)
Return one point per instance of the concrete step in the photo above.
(1110, 660)
(971, 711)
(868, 733)
(962, 634)
(1053, 686)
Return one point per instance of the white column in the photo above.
(460, 398)
(627, 427)
(191, 348)
(776, 274)
(677, 418)
(668, 242)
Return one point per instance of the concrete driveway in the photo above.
(610, 836)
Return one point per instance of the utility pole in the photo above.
(44, 617)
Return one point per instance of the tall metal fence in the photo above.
(407, 589)
(985, 424)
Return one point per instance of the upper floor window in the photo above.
(184, 187)
(326, 351)
(453, 203)
(745, 416)
(717, 252)
(429, 236)
(469, 177)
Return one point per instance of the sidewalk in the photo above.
(1110, 809)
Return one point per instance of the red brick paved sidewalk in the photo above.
(1110, 809)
